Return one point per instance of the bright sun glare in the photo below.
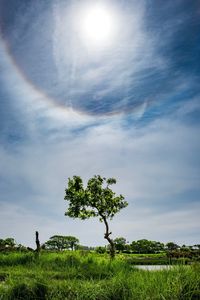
(97, 25)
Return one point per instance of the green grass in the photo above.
(91, 276)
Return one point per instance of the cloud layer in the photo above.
(155, 171)
(130, 112)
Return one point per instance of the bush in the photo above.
(100, 250)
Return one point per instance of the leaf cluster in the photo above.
(96, 200)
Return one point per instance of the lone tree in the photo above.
(96, 200)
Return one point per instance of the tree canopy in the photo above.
(171, 246)
(60, 242)
(146, 246)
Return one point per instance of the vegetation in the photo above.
(60, 242)
(141, 251)
(83, 275)
(96, 200)
(171, 246)
(8, 242)
(120, 243)
(146, 246)
(55, 271)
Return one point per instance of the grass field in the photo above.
(83, 275)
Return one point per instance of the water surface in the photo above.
(154, 267)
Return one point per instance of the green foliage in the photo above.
(171, 246)
(95, 200)
(100, 249)
(146, 246)
(60, 242)
(14, 259)
(72, 241)
(120, 243)
(2, 243)
(8, 243)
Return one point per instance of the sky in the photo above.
(119, 98)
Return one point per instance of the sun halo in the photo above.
(97, 26)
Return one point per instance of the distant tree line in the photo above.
(55, 243)
(143, 246)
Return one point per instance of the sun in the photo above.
(97, 25)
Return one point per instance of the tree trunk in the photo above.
(37, 242)
(107, 237)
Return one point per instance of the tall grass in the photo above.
(81, 276)
(16, 258)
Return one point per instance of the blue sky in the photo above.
(127, 108)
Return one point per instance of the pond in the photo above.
(153, 267)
